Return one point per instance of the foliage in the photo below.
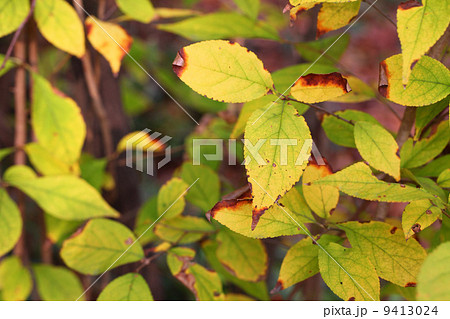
(336, 224)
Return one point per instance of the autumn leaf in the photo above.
(418, 215)
(110, 40)
(335, 15)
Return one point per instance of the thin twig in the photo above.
(94, 93)
(17, 35)
(381, 13)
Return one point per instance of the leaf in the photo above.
(129, 287)
(331, 125)
(248, 7)
(299, 2)
(361, 92)
(300, 263)
(418, 215)
(222, 70)
(171, 198)
(58, 230)
(358, 181)
(55, 283)
(220, 25)
(433, 168)
(93, 170)
(110, 40)
(312, 50)
(427, 113)
(378, 147)
(206, 191)
(44, 161)
(183, 229)
(12, 13)
(5, 152)
(333, 16)
(168, 13)
(60, 25)
(428, 83)
(419, 27)
(314, 88)
(99, 245)
(256, 289)
(147, 215)
(358, 282)
(140, 10)
(322, 199)
(243, 257)
(65, 197)
(275, 168)
(395, 259)
(263, 103)
(286, 77)
(433, 281)
(419, 153)
(236, 214)
(15, 280)
(10, 223)
(178, 257)
(444, 178)
(57, 121)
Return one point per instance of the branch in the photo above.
(381, 13)
(17, 35)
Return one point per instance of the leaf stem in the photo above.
(381, 12)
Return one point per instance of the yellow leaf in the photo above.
(140, 10)
(222, 71)
(418, 215)
(314, 88)
(333, 16)
(60, 25)
(110, 39)
(419, 26)
(12, 13)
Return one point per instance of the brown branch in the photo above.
(20, 136)
(94, 93)
(17, 35)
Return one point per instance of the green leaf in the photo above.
(15, 280)
(178, 257)
(444, 178)
(12, 13)
(5, 152)
(99, 246)
(255, 289)
(428, 83)
(171, 198)
(55, 283)
(312, 50)
(433, 282)
(433, 168)
(333, 16)
(418, 215)
(222, 71)
(10, 223)
(183, 229)
(378, 147)
(427, 113)
(44, 161)
(236, 214)
(58, 230)
(65, 197)
(419, 153)
(243, 257)
(419, 27)
(359, 280)
(57, 121)
(147, 215)
(275, 168)
(220, 25)
(129, 287)
(248, 7)
(395, 259)
(140, 10)
(60, 25)
(205, 192)
(358, 181)
(263, 103)
(93, 170)
(314, 88)
(322, 199)
(300, 263)
(331, 125)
